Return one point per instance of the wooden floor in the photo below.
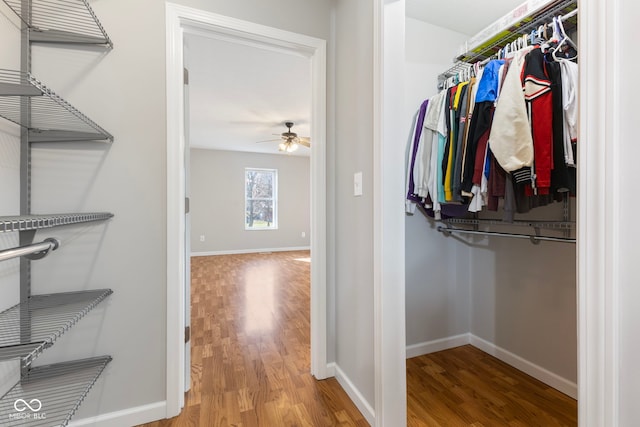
(467, 387)
(250, 362)
(250, 347)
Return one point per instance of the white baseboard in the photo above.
(422, 348)
(251, 251)
(331, 370)
(127, 417)
(356, 397)
(556, 381)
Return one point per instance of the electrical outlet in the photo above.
(303, 234)
(202, 237)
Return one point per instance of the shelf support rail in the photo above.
(33, 251)
(534, 238)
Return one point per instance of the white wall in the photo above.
(437, 292)
(354, 216)
(629, 317)
(217, 201)
(124, 91)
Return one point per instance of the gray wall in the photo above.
(124, 91)
(437, 290)
(217, 201)
(354, 216)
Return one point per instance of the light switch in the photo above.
(357, 184)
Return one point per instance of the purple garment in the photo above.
(416, 140)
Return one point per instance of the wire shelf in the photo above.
(53, 393)
(51, 118)
(489, 47)
(27, 329)
(60, 21)
(36, 222)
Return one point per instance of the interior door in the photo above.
(187, 239)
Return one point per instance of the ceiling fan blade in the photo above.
(305, 140)
(268, 140)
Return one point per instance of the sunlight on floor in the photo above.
(304, 259)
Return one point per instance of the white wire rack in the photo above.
(60, 21)
(50, 395)
(36, 222)
(28, 328)
(51, 118)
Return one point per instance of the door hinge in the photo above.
(187, 204)
(186, 76)
(187, 334)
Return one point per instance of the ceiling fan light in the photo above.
(292, 147)
(282, 147)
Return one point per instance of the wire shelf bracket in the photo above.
(52, 119)
(60, 21)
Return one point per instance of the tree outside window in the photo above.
(261, 201)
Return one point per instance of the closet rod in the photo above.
(534, 239)
(33, 251)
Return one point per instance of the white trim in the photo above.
(331, 369)
(356, 397)
(598, 208)
(554, 380)
(180, 19)
(175, 215)
(127, 417)
(427, 347)
(388, 215)
(250, 251)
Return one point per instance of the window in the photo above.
(261, 199)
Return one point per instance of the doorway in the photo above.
(181, 20)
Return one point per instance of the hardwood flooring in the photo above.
(464, 386)
(250, 347)
(250, 362)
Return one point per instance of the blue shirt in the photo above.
(488, 86)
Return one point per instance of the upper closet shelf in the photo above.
(522, 20)
(51, 118)
(35, 222)
(60, 21)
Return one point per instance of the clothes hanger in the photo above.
(564, 39)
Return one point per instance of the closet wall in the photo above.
(515, 299)
(437, 289)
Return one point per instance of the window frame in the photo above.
(273, 199)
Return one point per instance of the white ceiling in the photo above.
(240, 94)
(464, 16)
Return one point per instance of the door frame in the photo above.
(180, 20)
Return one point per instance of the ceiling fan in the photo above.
(289, 141)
